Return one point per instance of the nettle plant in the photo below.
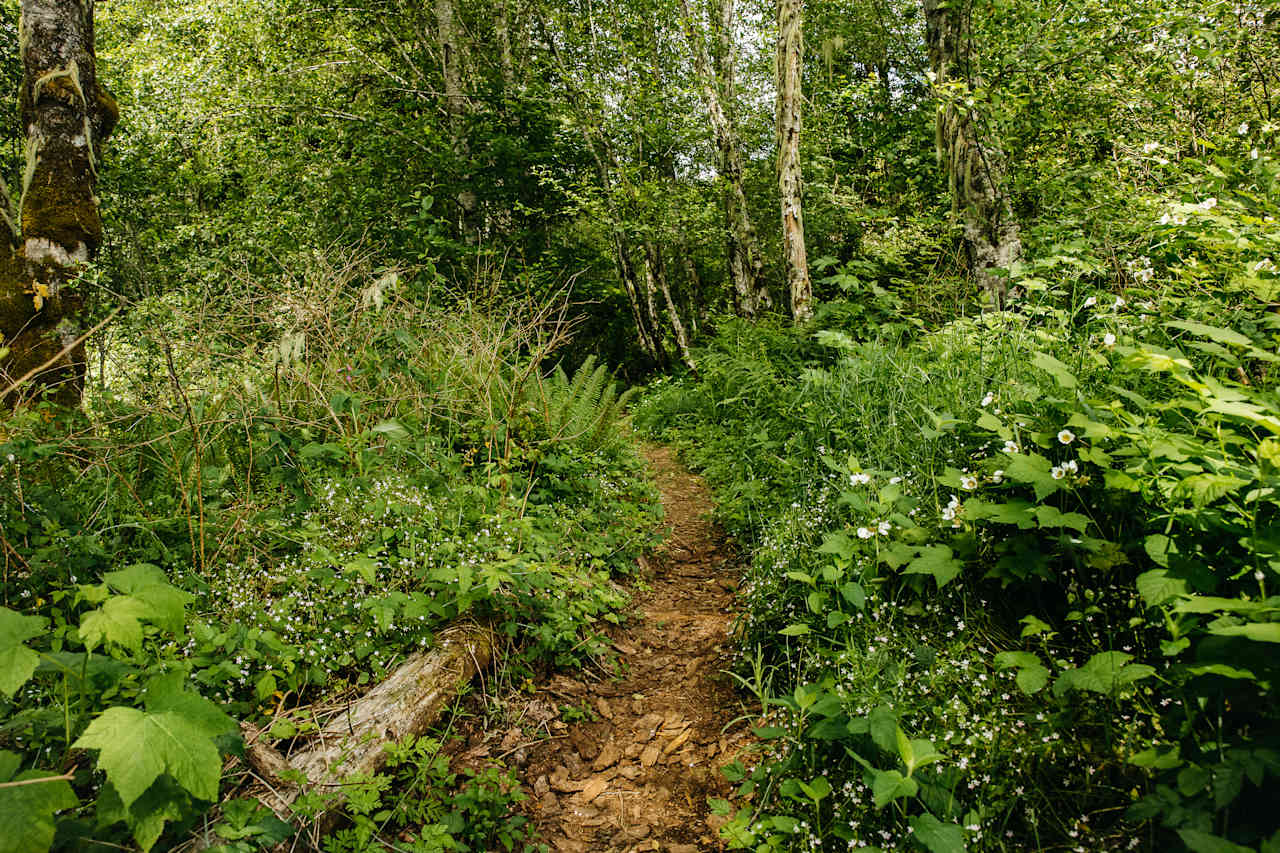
(95, 661)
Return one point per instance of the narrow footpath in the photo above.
(638, 775)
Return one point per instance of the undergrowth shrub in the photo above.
(284, 505)
(1013, 579)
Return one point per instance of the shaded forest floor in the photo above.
(635, 773)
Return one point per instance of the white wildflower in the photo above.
(1066, 436)
(864, 533)
(1057, 473)
(997, 477)
(969, 483)
(1109, 340)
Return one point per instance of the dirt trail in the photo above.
(637, 777)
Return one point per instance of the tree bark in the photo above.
(66, 117)
(656, 274)
(745, 263)
(789, 65)
(975, 166)
(353, 743)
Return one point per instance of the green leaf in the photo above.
(1203, 842)
(1104, 673)
(26, 811)
(936, 836)
(936, 560)
(795, 629)
(1059, 371)
(1034, 470)
(17, 662)
(884, 728)
(1156, 587)
(173, 736)
(1017, 511)
(889, 785)
(118, 621)
(1049, 516)
(149, 585)
(1259, 632)
(1213, 333)
(1032, 674)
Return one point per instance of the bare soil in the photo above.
(636, 774)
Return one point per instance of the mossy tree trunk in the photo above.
(66, 117)
(975, 165)
(790, 61)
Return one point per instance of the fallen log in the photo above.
(407, 703)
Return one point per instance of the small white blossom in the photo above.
(969, 483)
(1109, 340)
(1253, 154)
(988, 399)
(864, 533)
(1243, 129)
(1057, 473)
(859, 479)
(997, 477)
(1208, 204)
(1066, 436)
(1148, 147)
(1010, 447)
(1090, 302)
(883, 528)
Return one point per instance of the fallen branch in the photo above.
(407, 703)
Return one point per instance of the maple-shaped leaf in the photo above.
(17, 662)
(26, 811)
(144, 593)
(174, 736)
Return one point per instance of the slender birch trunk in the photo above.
(455, 103)
(57, 228)
(975, 166)
(502, 30)
(789, 63)
(746, 266)
(656, 273)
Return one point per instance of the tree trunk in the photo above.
(502, 31)
(744, 259)
(455, 104)
(790, 59)
(651, 310)
(66, 118)
(650, 341)
(656, 273)
(975, 166)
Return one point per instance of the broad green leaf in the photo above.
(1104, 673)
(795, 630)
(1204, 489)
(1059, 371)
(136, 747)
(889, 785)
(1017, 511)
(117, 621)
(26, 811)
(17, 662)
(936, 560)
(1260, 632)
(1049, 516)
(884, 728)
(838, 544)
(1203, 842)
(1156, 587)
(149, 585)
(936, 836)
(1213, 333)
(1032, 674)
(1034, 470)
(168, 693)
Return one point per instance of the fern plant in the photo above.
(583, 410)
